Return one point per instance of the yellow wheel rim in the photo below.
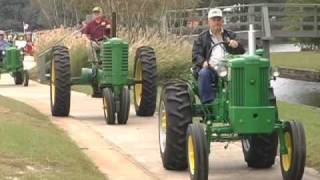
(287, 158)
(53, 85)
(163, 121)
(138, 86)
(105, 105)
(191, 156)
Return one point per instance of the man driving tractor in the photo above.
(99, 28)
(3, 43)
(96, 31)
(29, 48)
(205, 54)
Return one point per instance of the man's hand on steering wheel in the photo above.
(233, 43)
(205, 64)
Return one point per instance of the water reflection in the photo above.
(295, 91)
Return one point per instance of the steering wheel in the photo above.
(224, 43)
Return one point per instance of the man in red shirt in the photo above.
(29, 48)
(99, 28)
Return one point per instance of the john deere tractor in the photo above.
(244, 109)
(11, 61)
(108, 75)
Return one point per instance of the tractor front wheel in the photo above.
(18, 78)
(260, 150)
(197, 148)
(108, 105)
(26, 78)
(145, 74)
(60, 81)
(124, 106)
(174, 118)
(293, 163)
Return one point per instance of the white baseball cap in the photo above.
(215, 12)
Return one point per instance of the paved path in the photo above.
(131, 151)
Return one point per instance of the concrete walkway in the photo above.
(131, 151)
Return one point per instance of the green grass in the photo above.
(297, 60)
(310, 117)
(31, 147)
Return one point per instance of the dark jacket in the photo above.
(202, 46)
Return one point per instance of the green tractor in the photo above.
(109, 76)
(244, 109)
(11, 61)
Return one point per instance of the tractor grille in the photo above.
(107, 59)
(124, 66)
(114, 58)
(237, 86)
(264, 84)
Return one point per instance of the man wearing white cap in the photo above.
(202, 53)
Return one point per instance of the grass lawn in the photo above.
(297, 60)
(310, 117)
(31, 147)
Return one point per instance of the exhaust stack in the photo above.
(251, 40)
(114, 25)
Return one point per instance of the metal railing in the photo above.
(280, 20)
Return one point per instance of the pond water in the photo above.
(295, 91)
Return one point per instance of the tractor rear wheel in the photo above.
(108, 106)
(18, 78)
(60, 81)
(26, 78)
(174, 118)
(293, 163)
(124, 106)
(197, 148)
(145, 89)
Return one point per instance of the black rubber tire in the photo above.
(177, 103)
(124, 106)
(261, 151)
(108, 106)
(296, 169)
(18, 78)
(262, 147)
(200, 149)
(26, 79)
(146, 56)
(60, 106)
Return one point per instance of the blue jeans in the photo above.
(207, 84)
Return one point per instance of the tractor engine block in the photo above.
(114, 57)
